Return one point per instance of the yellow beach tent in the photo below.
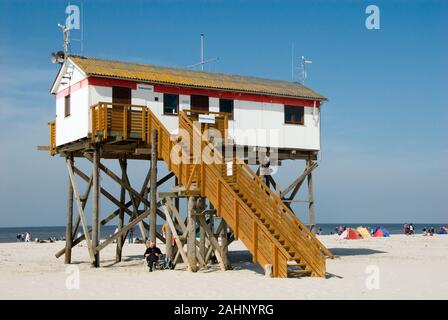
(363, 232)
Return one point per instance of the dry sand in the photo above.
(409, 267)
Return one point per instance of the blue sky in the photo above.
(384, 147)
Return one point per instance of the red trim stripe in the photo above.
(162, 88)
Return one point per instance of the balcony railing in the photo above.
(118, 121)
(112, 122)
(52, 127)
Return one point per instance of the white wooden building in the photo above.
(264, 113)
(124, 111)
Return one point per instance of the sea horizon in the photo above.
(9, 234)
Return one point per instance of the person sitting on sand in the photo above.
(152, 254)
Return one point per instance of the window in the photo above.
(199, 103)
(226, 105)
(170, 104)
(294, 115)
(67, 106)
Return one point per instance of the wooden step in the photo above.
(299, 273)
(301, 265)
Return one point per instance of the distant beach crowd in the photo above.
(27, 237)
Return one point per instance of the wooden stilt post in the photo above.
(153, 186)
(168, 237)
(69, 226)
(224, 245)
(202, 251)
(211, 223)
(121, 240)
(191, 239)
(311, 197)
(96, 207)
(176, 200)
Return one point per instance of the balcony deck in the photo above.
(125, 129)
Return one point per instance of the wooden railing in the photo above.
(216, 185)
(281, 218)
(52, 127)
(118, 121)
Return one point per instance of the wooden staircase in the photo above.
(257, 216)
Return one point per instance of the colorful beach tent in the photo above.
(443, 230)
(381, 232)
(363, 232)
(349, 233)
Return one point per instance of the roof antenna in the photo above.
(292, 62)
(202, 62)
(303, 63)
(61, 56)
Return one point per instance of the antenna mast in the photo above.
(303, 63)
(66, 36)
(292, 62)
(202, 51)
(202, 57)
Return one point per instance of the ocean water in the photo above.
(9, 234)
(43, 233)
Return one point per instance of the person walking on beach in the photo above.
(152, 254)
(411, 228)
(406, 229)
(27, 237)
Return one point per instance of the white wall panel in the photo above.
(255, 123)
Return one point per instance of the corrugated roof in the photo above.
(191, 78)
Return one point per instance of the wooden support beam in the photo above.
(213, 242)
(297, 183)
(126, 185)
(121, 239)
(124, 230)
(81, 212)
(153, 186)
(312, 219)
(104, 192)
(191, 238)
(165, 179)
(135, 203)
(175, 211)
(180, 245)
(96, 208)
(202, 251)
(176, 200)
(168, 236)
(224, 244)
(84, 199)
(69, 225)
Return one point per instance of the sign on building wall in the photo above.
(207, 118)
(145, 87)
(229, 168)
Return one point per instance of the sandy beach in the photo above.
(403, 267)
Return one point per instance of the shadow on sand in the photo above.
(242, 260)
(354, 251)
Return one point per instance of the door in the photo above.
(199, 103)
(121, 96)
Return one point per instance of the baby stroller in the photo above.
(162, 263)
